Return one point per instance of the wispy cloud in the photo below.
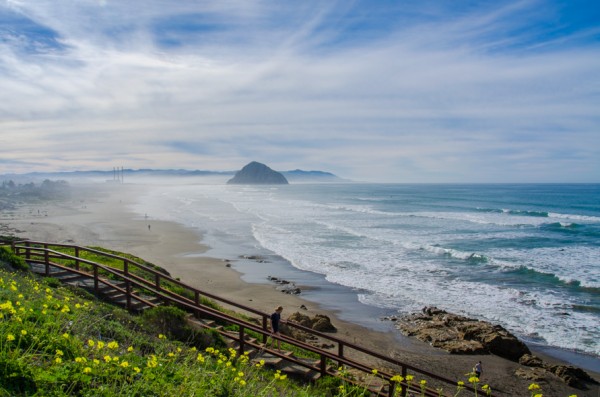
(492, 91)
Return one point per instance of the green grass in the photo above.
(55, 341)
(61, 341)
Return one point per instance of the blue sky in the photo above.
(382, 91)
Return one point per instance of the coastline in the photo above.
(99, 216)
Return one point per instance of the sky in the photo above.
(375, 90)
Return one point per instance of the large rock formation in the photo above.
(257, 174)
(538, 369)
(461, 335)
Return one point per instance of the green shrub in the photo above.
(14, 261)
(172, 322)
(52, 282)
(16, 376)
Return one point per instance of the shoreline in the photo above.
(105, 220)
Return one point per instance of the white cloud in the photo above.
(432, 100)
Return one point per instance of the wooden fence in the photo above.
(144, 286)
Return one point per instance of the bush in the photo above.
(12, 260)
(16, 376)
(172, 322)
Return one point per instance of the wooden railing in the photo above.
(141, 281)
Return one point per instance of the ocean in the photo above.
(526, 256)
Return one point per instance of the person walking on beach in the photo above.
(275, 320)
(477, 369)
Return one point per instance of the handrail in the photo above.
(29, 249)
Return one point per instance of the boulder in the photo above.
(301, 319)
(322, 323)
(319, 322)
(572, 376)
(529, 360)
(531, 374)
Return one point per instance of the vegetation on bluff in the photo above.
(60, 341)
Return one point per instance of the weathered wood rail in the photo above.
(143, 286)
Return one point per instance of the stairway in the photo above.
(109, 290)
(270, 357)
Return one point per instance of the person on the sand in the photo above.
(477, 369)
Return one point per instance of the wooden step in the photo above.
(73, 278)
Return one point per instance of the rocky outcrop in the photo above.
(319, 323)
(257, 174)
(461, 335)
(538, 370)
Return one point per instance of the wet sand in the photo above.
(98, 215)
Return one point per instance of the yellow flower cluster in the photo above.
(279, 376)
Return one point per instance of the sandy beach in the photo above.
(99, 216)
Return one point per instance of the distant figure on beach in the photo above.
(275, 320)
(477, 369)
(148, 226)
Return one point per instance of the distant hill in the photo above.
(311, 176)
(295, 176)
(256, 173)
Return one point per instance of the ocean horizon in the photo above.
(525, 256)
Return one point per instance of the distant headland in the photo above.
(126, 174)
(256, 173)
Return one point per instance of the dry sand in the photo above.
(99, 216)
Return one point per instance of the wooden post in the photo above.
(340, 352)
(95, 278)
(405, 387)
(77, 256)
(391, 388)
(47, 262)
(128, 293)
(265, 328)
(126, 267)
(197, 303)
(242, 341)
(323, 365)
